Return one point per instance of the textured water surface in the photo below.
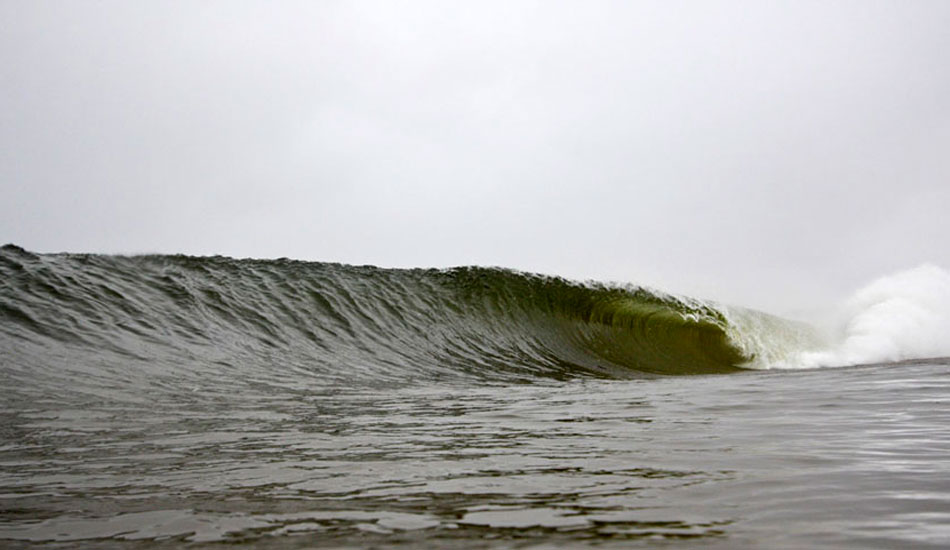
(155, 402)
(854, 457)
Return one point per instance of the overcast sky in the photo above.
(769, 154)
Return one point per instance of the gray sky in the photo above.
(769, 154)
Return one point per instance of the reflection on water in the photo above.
(850, 457)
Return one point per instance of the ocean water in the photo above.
(169, 401)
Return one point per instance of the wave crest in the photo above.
(185, 318)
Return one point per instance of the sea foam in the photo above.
(898, 317)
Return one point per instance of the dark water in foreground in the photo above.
(839, 458)
(156, 402)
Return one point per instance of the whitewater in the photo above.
(153, 401)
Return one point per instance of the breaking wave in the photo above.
(895, 318)
(183, 319)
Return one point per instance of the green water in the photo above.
(167, 401)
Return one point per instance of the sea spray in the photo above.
(896, 317)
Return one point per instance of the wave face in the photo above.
(183, 319)
(176, 315)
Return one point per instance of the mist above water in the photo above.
(901, 316)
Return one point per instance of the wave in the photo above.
(184, 318)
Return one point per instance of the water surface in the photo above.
(153, 402)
